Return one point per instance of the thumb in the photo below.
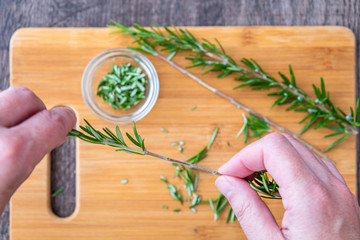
(252, 213)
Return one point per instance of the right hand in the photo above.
(317, 202)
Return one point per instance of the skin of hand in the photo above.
(28, 131)
(317, 202)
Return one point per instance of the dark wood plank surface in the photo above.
(15, 14)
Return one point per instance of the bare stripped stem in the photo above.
(186, 164)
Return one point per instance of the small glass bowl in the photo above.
(101, 65)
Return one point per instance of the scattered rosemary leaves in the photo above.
(124, 86)
(175, 194)
(193, 108)
(181, 145)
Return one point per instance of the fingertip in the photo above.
(235, 167)
(68, 113)
(224, 186)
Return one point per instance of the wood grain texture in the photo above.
(132, 211)
(54, 13)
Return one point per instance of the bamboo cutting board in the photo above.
(51, 63)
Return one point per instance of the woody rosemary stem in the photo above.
(183, 163)
(241, 106)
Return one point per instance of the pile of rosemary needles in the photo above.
(123, 87)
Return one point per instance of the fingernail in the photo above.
(225, 187)
(69, 109)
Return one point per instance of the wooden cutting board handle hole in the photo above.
(63, 176)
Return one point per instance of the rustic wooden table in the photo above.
(15, 14)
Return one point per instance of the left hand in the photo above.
(28, 131)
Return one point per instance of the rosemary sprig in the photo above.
(320, 112)
(91, 135)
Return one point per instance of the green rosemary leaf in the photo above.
(229, 215)
(196, 180)
(233, 216)
(136, 133)
(57, 192)
(334, 134)
(293, 81)
(199, 156)
(265, 182)
(322, 123)
(193, 108)
(313, 118)
(133, 140)
(228, 143)
(111, 135)
(128, 151)
(164, 206)
(177, 210)
(212, 205)
(124, 181)
(337, 142)
(163, 179)
(223, 205)
(164, 130)
(171, 55)
(242, 129)
(246, 132)
(175, 194)
(341, 111)
(334, 128)
(213, 136)
(193, 210)
(119, 135)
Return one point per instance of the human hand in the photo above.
(317, 202)
(27, 132)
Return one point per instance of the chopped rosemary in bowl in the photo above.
(120, 86)
(123, 87)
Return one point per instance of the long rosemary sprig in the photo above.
(320, 112)
(146, 47)
(116, 140)
(91, 135)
